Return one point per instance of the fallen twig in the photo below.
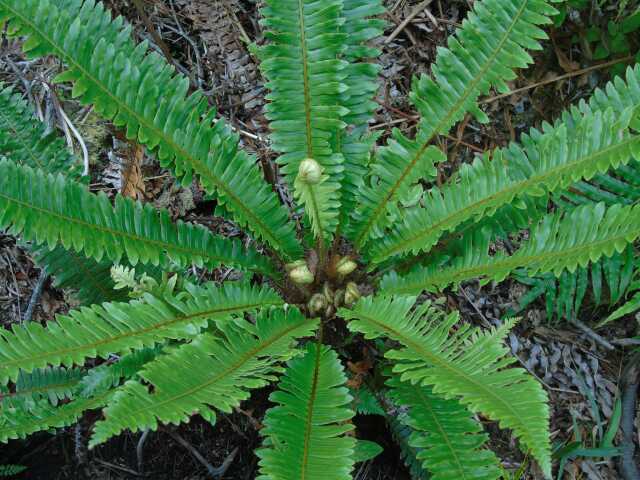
(626, 342)
(153, 32)
(74, 130)
(629, 387)
(140, 450)
(213, 471)
(414, 13)
(558, 78)
(35, 296)
(117, 467)
(593, 335)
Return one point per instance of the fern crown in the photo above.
(187, 348)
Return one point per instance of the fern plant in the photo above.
(172, 348)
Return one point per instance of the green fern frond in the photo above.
(631, 306)
(90, 280)
(305, 78)
(210, 372)
(508, 219)
(547, 161)
(619, 186)
(450, 442)
(361, 77)
(361, 81)
(401, 434)
(140, 92)
(109, 375)
(365, 402)
(305, 432)
(19, 423)
(564, 295)
(356, 148)
(366, 450)
(120, 327)
(44, 208)
(11, 470)
(484, 52)
(617, 94)
(24, 139)
(467, 364)
(53, 384)
(563, 240)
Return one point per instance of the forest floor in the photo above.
(579, 367)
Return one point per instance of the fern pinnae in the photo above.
(176, 125)
(24, 139)
(53, 384)
(121, 327)
(305, 432)
(448, 440)
(11, 470)
(468, 364)
(107, 376)
(483, 53)
(361, 81)
(16, 424)
(563, 240)
(547, 161)
(89, 279)
(305, 78)
(54, 210)
(211, 372)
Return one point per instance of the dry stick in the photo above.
(16, 286)
(414, 118)
(214, 472)
(590, 333)
(407, 20)
(557, 79)
(153, 32)
(35, 296)
(114, 466)
(67, 121)
(243, 34)
(475, 307)
(140, 450)
(626, 342)
(630, 380)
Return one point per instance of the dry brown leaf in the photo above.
(360, 368)
(132, 179)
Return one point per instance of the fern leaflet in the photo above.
(17, 423)
(54, 384)
(449, 440)
(468, 364)
(305, 432)
(483, 53)
(120, 327)
(142, 93)
(44, 208)
(24, 140)
(560, 241)
(210, 371)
